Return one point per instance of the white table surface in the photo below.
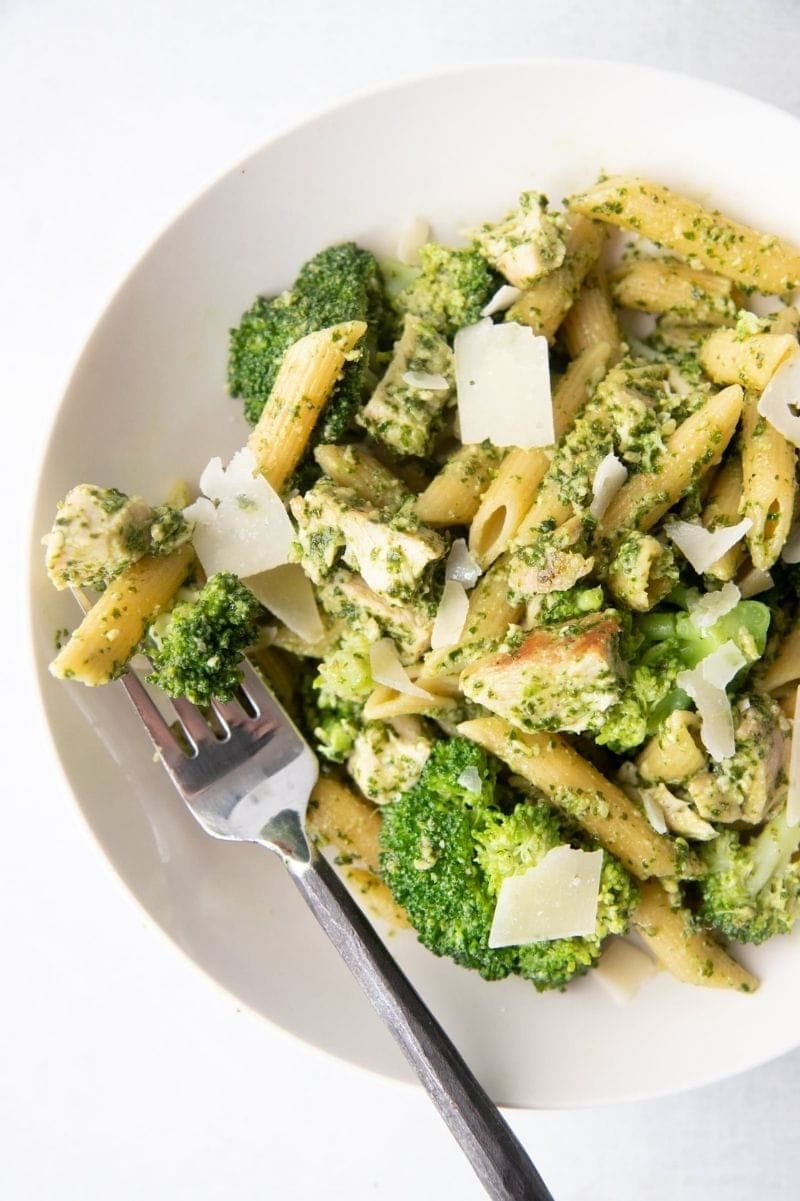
(117, 1057)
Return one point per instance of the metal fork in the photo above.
(250, 781)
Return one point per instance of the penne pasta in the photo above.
(505, 502)
(784, 668)
(690, 955)
(353, 467)
(700, 235)
(722, 508)
(453, 496)
(573, 784)
(769, 485)
(307, 375)
(695, 447)
(680, 294)
(545, 305)
(592, 319)
(115, 625)
(752, 361)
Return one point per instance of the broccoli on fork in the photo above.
(199, 644)
(447, 848)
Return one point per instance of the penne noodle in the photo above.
(702, 236)
(592, 319)
(353, 467)
(307, 375)
(696, 446)
(751, 362)
(453, 496)
(679, 293)
(723, 507)
(115, 625)
(690, 955)
(545, 305)
(505, 502)
(769, 485)
(573, 784)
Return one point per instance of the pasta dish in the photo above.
(514, 538)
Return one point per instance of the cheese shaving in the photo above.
(557, 898)
(703, 613)
(623, 969)
(611, 474)
(286, 591)
(503, 385)
(461, 566)
(412, 238)
(503, 299)
(781, 398)
(754, 582)
(653, 810)
(450, 616)
(425, 381)
(793, 797)
(241, 524)
(470, 779)
(791, 547)
(703, 547)
(387, 669)
(706, 685)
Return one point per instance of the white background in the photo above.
(124, 1073)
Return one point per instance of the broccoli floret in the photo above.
(448, 289)
(752, 887)
(446, 850)
(342, 283)
(663, 644)
(199, 648)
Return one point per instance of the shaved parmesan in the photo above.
(703, 547)
(791, 548)
(557, 898)
(713, 605)
(470, 779)
(461, 566)
(793, 797)
(412, 239)
(426, 381)
(754, 582)
(780, 400)
(241, 524)
(706, 685)
(503, 385)
(450, 616)
(503, 299)
(623, 969)
(611, 474)
(653, 810)
(286, 591)
(387, 669)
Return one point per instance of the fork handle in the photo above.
(499, 1159)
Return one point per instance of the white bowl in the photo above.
(147, 403)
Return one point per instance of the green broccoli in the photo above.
(664, 643)
(342, 283)
(447, 290)
(446, 849)
(752, 886)
(199, 646)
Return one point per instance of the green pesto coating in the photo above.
(448, 289)
(200, 647)
(445, 851)
(752, 887)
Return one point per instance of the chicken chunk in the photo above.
(561, 677)
(97, 533)
(391, 553)
(750, 785)
(388, 757)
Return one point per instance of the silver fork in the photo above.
(250, 781)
